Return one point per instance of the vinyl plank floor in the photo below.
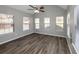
(36, 44)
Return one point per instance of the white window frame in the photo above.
(46, 22)
(60, 23)
(26, 25)
(37, 23)
(6, 22)
(68, 25)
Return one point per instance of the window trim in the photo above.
(37, 23)
(11, 24)
(26, 23)
(45, 23)
(59, 23)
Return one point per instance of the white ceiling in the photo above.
(25, 7)
(22, 8)
(63, 6)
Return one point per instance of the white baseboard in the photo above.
(14, 38)
(52, 35)
(28, 34)
(68, 42)
(75, 48)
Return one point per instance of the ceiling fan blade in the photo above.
(41, 7)
(42, 10)
(33, 7)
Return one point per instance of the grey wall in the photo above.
(18, 25)
(71, 20)
(52, 11)
(73, 26)
(77, 31)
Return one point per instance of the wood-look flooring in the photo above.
(36, 44)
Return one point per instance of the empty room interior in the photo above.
(39, 29)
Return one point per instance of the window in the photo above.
(68, 25)
(37, 23)
(46, 22)
(26, 23)
(6, 23)
(59, 23)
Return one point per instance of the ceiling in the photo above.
(21, 8)
(63, 6)
(25, 7)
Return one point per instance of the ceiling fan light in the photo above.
(36, 11)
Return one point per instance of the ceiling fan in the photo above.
(37, 9)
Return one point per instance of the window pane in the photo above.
(36, 20)
(59, 23)
(26, 23)
(47, 20)
(25, 20)
(6, 23)
(47, 25)
(37, 26)
(26, 27)
(59, 20)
